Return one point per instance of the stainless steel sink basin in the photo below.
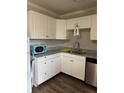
(78, 51)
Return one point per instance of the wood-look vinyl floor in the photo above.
(63, 83)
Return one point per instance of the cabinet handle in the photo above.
(46, 35)
(45, 63)
(51, 61)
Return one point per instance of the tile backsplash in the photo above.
(49, 43)
(84, 40)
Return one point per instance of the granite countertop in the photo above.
(87, 53)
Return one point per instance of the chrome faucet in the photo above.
(76, 45)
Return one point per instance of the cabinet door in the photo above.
(71, 23)
(66, 65)
(38, 25)
(51, 24)
(61, 29)
(93, 32)
(43, 71)
(55, 66)
(84, 22)
(78, 68)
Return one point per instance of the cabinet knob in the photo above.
(46, 35)
(45, 63)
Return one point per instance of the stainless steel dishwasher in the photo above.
(91, 72)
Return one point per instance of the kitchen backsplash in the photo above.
(84, 40)
(50, 43)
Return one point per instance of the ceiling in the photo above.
(63, 7)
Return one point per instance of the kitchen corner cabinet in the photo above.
(82, 22)
(93, 32)
(48, 66)
(61, 29)
(41, 26)
(71, 23)
(73, 65)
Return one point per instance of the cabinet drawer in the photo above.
(44, 58)
(40, 59)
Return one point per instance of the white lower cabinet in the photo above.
(78, 68)
(65, 65)
(55, 66)
(73, 65)
(47, 67)
(42, 72)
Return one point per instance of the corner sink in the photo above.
(78, 51)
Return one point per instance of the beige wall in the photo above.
(84, 39)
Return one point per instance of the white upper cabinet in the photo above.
(41, 26)
(51, 32)
(44, 27)
(61, 29)
(82, 22)
(37, 25)
(93, 32)
(71, 23)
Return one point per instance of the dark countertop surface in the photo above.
(86, 53)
